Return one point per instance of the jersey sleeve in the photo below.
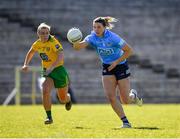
(57, 46)
(34, 46)
(89, 39)
(119, 41)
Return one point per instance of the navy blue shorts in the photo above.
(120, 71)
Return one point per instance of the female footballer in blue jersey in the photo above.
(113, 52)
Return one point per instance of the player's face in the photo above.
(98, 29)
(44, 34)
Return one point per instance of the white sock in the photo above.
(132, 96)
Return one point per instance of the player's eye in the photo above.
(44, 33)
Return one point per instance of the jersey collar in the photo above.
(106, 33)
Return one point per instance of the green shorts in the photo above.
(59, 76)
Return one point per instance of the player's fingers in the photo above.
(110, 68)
(76, 48)
(25, 69)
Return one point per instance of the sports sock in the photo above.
(124, 119)
(49, 114)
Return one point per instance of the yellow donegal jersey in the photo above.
(48, 51)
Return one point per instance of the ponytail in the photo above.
(106, 21)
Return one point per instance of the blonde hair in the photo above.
(43, 25)
(106, 21)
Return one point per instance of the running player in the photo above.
(51, 53)
(113, 52)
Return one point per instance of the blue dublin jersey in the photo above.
(109, 47)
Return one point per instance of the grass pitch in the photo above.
(90, 121)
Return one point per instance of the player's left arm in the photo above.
(58, 49)
(60, 57)
(128, 51)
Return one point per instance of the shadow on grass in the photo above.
(80, 127)
(148, 128)
(143, 128)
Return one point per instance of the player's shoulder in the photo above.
(113, 34)
(91, 36)
(53, 39)
(114, 37)
(55, 43)
(37, 42)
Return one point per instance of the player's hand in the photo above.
(25, 68)
(45, 72)
(48, 71)
(113, 65)
(76, 45)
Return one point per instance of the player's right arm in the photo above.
(28, 58)
(80, 45)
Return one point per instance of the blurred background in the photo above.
(151, 27)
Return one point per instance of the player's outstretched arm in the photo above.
(80, 45)
(28, 58)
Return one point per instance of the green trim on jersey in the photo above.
(50, 38)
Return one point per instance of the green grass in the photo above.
(87, 121)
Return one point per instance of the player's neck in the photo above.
(43, 41)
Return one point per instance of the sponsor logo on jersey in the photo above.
(105, 52)
(109, 44)
(121, 43)
(57, 46)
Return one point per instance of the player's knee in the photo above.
(63, 97)
(112, 99)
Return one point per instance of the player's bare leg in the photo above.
(110, 84)
(64, 97)
(128, 95)
(47, 87)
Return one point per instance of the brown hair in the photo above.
(106, 21)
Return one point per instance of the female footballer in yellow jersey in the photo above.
(51, 53)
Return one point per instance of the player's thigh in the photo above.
(109, 85)
(124, 89)
(47, 85)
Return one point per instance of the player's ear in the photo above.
(37, 32)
